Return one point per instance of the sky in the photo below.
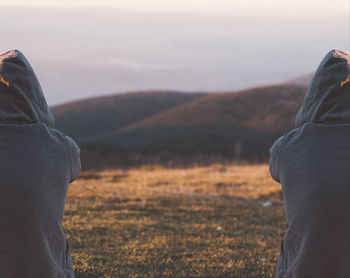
(82, 49)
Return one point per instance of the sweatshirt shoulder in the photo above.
(287, 137)
(59, 135)
(276, 151)
(73, 150)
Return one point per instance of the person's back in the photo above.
(37, 162)
(312, 163)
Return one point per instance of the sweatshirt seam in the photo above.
(278, 158)
(71, 158)
(70, 152)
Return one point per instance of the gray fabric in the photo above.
(37, 162)
(312, 164)
(21, 98)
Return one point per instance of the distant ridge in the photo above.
(268, 108)
(158, 127)
(87, 119)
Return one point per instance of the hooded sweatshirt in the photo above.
(312, 163)
(37, 162)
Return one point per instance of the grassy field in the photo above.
(217, 221)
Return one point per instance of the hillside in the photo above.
(87, 119)
(180, 128)
(267, 109)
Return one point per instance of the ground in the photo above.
(217, 221)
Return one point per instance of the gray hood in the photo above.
(21, 96)
(328, 97)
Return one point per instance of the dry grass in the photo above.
(154, 222)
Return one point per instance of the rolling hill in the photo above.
(159, 127)
(84, 120)
(269, 109)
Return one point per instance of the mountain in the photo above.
(269, 109)
(88, 119)
(163, 127)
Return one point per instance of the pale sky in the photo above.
(193, 6)
(86, 48)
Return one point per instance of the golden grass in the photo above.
(156, 222)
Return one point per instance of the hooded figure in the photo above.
(37, 162)
(312, 163)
